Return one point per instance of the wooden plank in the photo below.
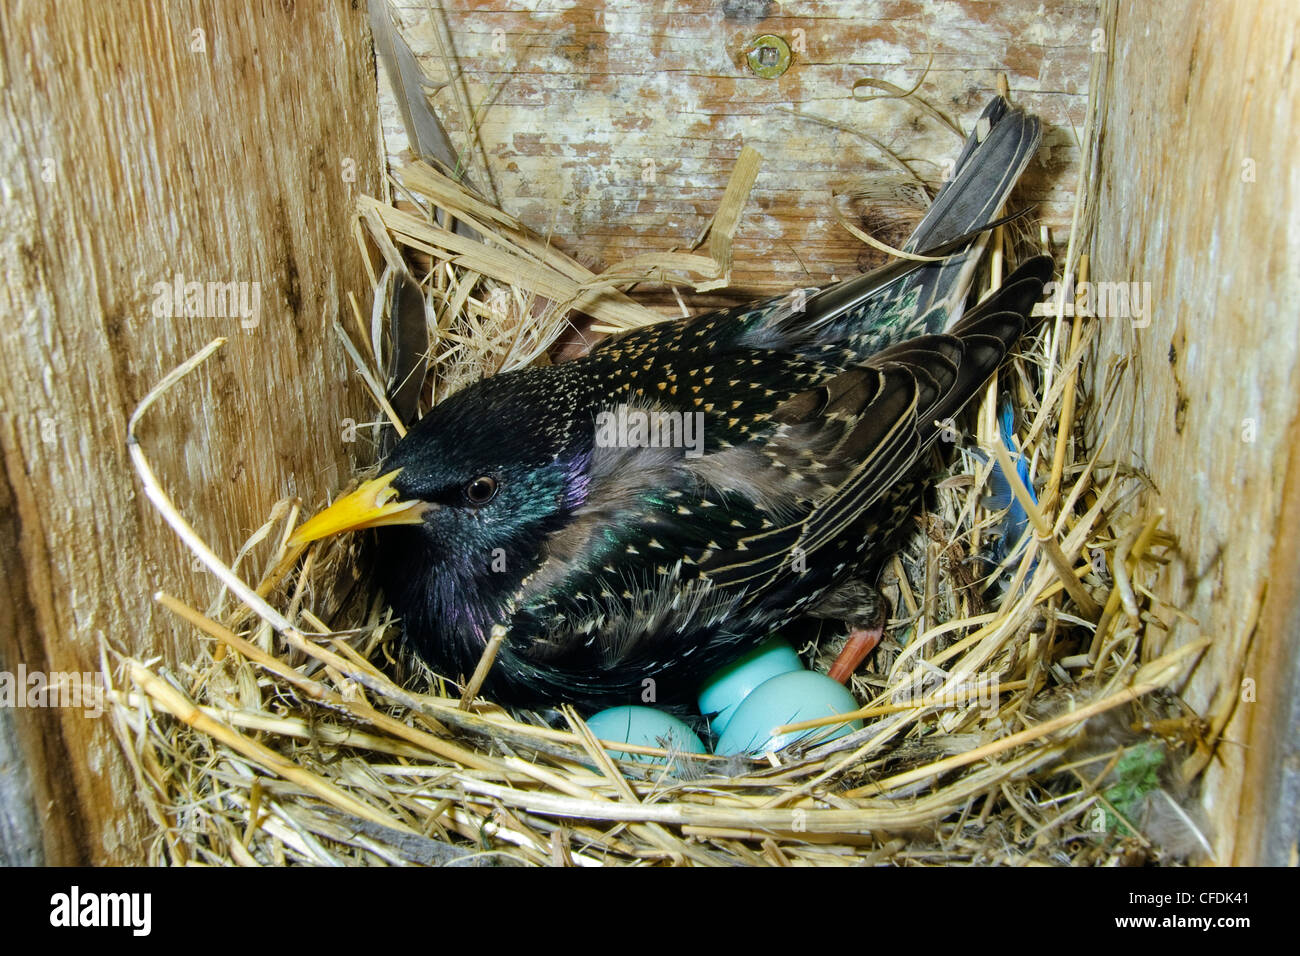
(613, 126)
(1198, 199)
(139, 142)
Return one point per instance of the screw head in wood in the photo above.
(768, 56)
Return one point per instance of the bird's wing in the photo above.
(890, 409)
(622, 572)
(801, 456)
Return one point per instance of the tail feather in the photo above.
(997, 151)
(992, 159)
(905, 298)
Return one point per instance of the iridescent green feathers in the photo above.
(613, 559)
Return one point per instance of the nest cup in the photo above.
(1014, 713)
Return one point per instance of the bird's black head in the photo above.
(465, 503)
(499, 466)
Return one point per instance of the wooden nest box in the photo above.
(147, 150)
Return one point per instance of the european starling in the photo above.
(639, 517)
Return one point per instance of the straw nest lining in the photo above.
(1032, 727)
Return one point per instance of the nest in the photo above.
(1014, 714)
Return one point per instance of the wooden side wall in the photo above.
(1199, 190)
(138, 142)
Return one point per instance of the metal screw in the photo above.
(768, 56)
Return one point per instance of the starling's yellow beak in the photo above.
(369, 506)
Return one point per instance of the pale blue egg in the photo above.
(644, 727)
(787, 699)
(723, 692)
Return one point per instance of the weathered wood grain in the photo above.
(613, 125)
(133, 149)
(1198, 198)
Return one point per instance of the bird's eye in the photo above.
(481, 490)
